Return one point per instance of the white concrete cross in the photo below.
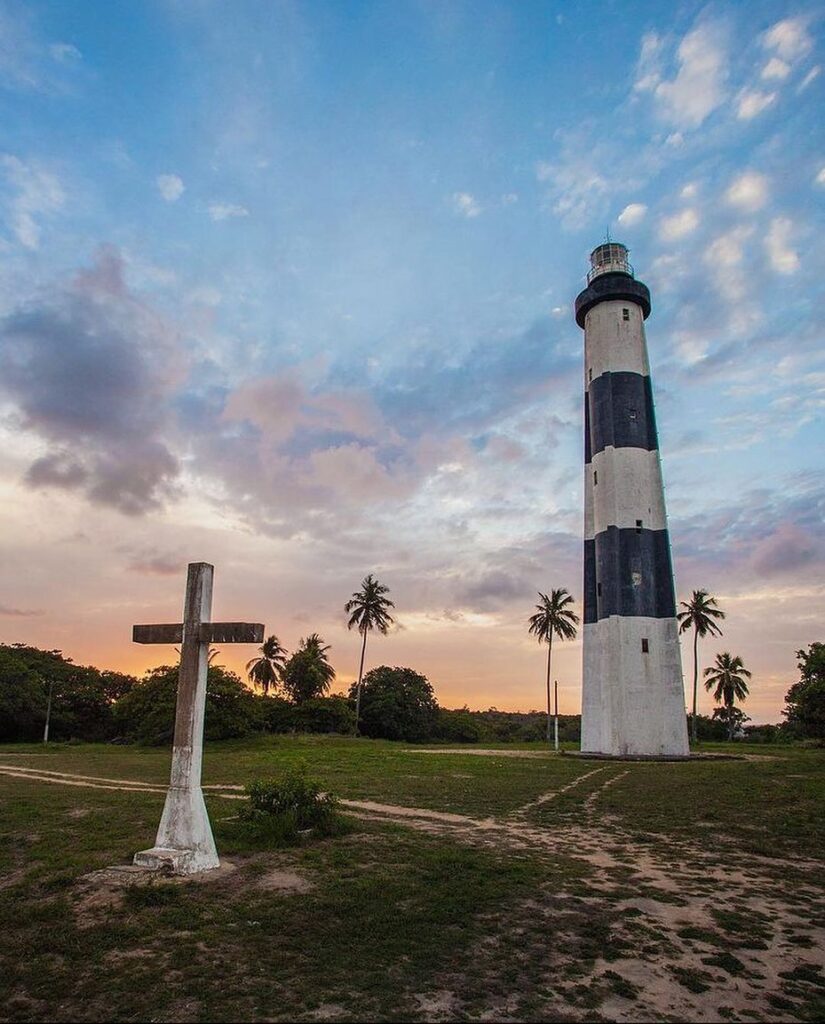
(184, 841)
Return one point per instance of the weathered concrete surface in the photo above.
(185, 844)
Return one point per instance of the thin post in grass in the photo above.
(48, 712)
(556, 723)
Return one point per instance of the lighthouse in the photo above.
(632, 690)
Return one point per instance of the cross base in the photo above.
(184, 842)
(177, 862)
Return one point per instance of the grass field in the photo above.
(468, 886)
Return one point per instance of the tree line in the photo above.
(43, 693)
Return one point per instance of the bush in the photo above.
(277, 714)
(805, 701)
(397, 704)
(279, 810)
(146, 714)
(325, 714)
(458, 726)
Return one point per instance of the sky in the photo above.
(287, 287)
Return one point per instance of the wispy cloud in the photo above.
(698, 87)
(783, 257)
(19, 613)
(170, 186)
(225, 211)
(37, 193)
(466, 205)
(678, 225)
(751, 103)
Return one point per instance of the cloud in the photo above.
(751, 102)
(678, 225)
(576, 188)
(509, 198)
(698, 87)
(37, 193)
(65, 53)
(806, 81)
(648, 67)
(171, 187)
(775, 69)
(466, 205)
(724, 256)
(632, 214)
(19, 613)
(786, 549)
(89, 369)
(748, 192)
(223, 211)
(783, 258)
(149, 564)
(789, 37)
(820, 178)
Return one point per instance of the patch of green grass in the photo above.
(622, 986)
(726, 961)
(692, 980)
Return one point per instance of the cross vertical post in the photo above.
(184, 842)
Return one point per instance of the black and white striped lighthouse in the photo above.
(632, 693)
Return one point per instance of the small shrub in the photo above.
(279, 810)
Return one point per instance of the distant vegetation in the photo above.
(397, 703)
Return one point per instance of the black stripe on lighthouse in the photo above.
(628, 572)
(591, 611)
(619, 413)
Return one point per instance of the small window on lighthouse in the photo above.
(598, 590)
(632, 414)
(625, 314)
(638, 526)
(590, 373)
(595, 477)
(645, 645)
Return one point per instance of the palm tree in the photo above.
(368, 609)
(700, 612)
(553, 617)
(308, 674)
(318, 650)
(728, 676)
(266, 670)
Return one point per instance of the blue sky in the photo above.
(288, 287)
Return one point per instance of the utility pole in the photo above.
(556, 724)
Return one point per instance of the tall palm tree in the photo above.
(700, 612)
(266, 670)
(728, 675)
(553, 617)
(368, 609)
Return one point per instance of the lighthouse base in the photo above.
(633, 701)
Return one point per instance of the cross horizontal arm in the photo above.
(209, 633)
(232, 633)
(162, 633)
